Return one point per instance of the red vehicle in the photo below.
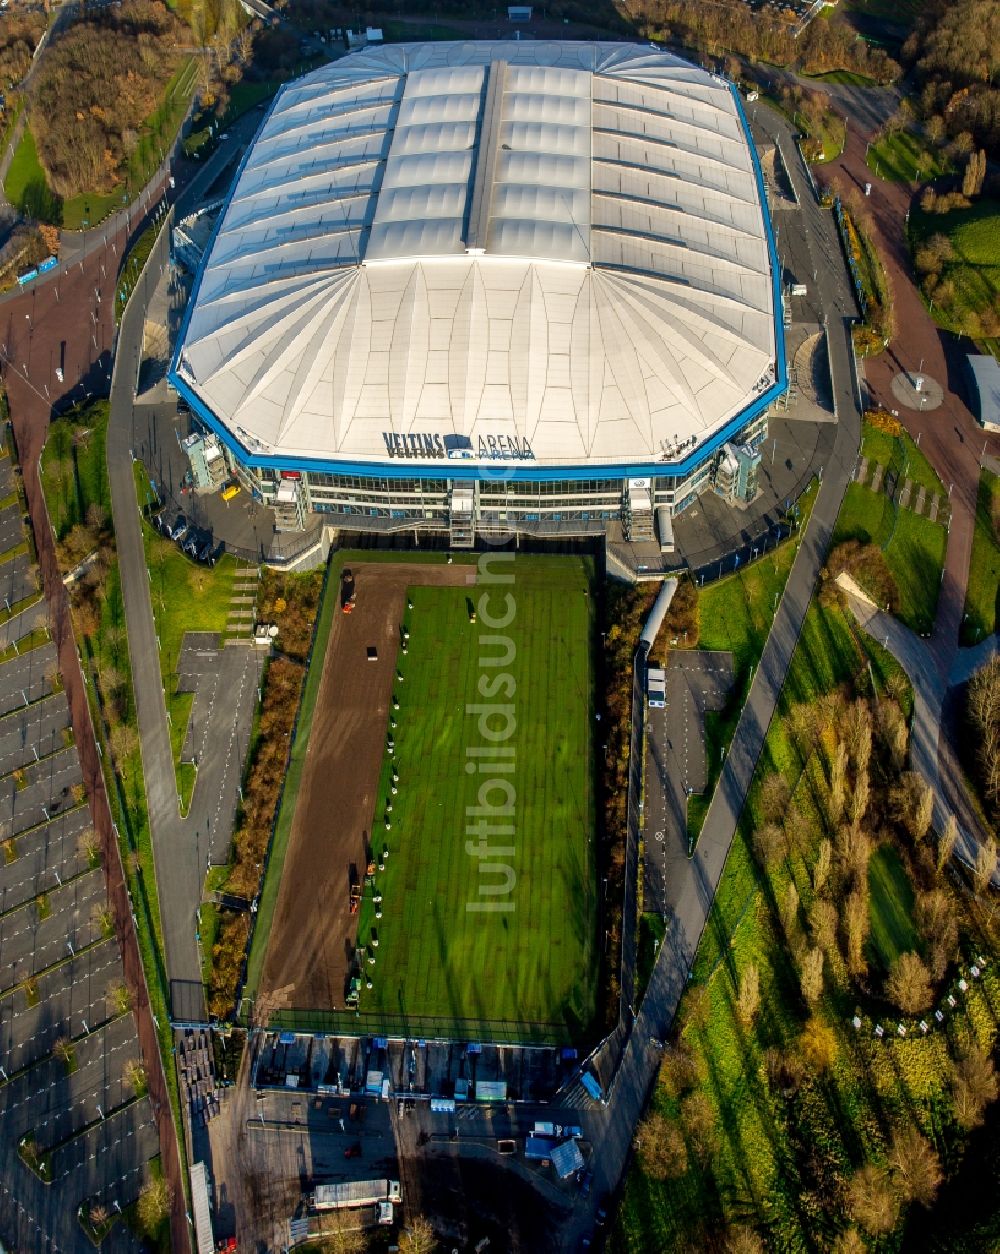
(353, 1151)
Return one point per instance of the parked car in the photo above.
(353, 1151)
(587, 1181)
(179, 529)
(206, 553)
(601, 1214)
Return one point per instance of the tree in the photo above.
(821, 869)
(850, 1241)
(857, 801)
(912, 805)
(417, 1237)
(790, 909)
(986, 864)
(811, 976)
(744, 1241)
(938, 925)
(661, 1147)
(342, 1235)
(838, 785)
(908, 985)
(973, 1087)
(857, 921)
(984, 715)
(872, 1200)
(915, 1165)
(818, 1045)
(699, 1120)
(748, 996)
(769, 845)
(946, 844)
(775, 795)
(823, 925)
(154, 1204)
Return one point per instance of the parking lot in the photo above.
(676, 764)
(68, 1044)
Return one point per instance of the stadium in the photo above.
(483, 288)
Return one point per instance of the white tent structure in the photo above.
(553, 251)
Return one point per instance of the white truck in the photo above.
(353, 1193)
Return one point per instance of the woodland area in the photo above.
(94, 88)
(19, 36)
(955, 52)
(721, 26)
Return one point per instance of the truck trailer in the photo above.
(349, 1194)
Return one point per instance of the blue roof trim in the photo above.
(526, 472)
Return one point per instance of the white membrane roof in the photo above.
(554, 250)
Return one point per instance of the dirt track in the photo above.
(313, 932)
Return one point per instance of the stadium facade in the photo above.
(491, 287)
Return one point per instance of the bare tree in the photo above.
(790, 913)
(974, 1086)
(769, 845)
(909, 984)
(823, 924)
(872, 1200)
(748, 996)
(699, 1119)
(850, 1241)
(915, 1165)
(417, 1237)
(775, 795)
(821, 869)
(743, 1241)
(857, 922)
(857, 801)
(811, 976)
(946, 844)
(838, 785)
(984, 712)
(986, 864)
(935, 916)
(661, 1147)
(912, 805)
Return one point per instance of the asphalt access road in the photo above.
(691, 894)
(676, 767)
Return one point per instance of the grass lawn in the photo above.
(900, 454)
(975, 236)
(735, 615)
(914, 548)
(532, 965)
(246, 96)
(780, 1162)
(890, 908)
(906, 157)
(300, 745)
(73, 470)
(846, 78)
(652, 929)
(26, 187)
(983, 592)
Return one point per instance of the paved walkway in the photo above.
(935, 695)
(693, 891)
(950, 437)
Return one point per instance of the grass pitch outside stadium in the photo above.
(484, 931)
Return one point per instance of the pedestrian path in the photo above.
(902, 491)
